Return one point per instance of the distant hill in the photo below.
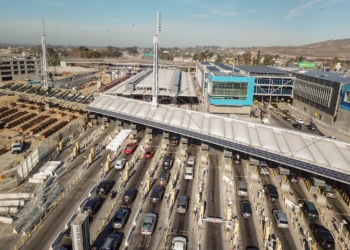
(329, 49)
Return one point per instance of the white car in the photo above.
(188, 173)
(179, 243)
(298, 120)
(191, 160)
(265, 121)
(148, 224)
(276, 111)
(120, 163)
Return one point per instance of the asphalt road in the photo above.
(55, 222)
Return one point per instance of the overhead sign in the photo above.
(307, 65)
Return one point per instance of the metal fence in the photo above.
(65, 82)
(48, 146)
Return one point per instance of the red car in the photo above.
(130, 148)
(149, 153)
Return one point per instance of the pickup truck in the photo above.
(17, 147)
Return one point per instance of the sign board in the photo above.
(307, 65)
(92, 116)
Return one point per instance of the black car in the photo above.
(311, 126)
(271, 191)
(246, 208)
(287, 118)
(68, 232)
(168, 162)
(157, 194)
(323, 236)
(111, 242)
(129, 196)
(92, 206)
(286, 111)
(297, 125)
(175, 139)
(104, 187)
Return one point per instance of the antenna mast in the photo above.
(155, 63)
(45, 68)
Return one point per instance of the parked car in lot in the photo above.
(329, 191)
(188, 173)
(104, 187)
(323, 236)
(157, 194)
(179, 243)
(280, 218)
(242, 188)
(271, 191)
(191, 160)
(111, 242)
(129, 196)
(246, 208)
(182, 204)
(168, 162)
(130, 148)
(311, 126)
(120, 217)
(276, 111)
(298, 120)
(92, 206)
(148, 224)
(120, 163)
(309, 209)
(293, 178)
(297, 126)
(263, 168)
(163, 179)
(149, 153)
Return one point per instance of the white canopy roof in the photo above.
(325, 157)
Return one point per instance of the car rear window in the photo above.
(283, 222)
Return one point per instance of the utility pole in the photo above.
(155, 63)
(45, 68)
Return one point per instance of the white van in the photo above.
(242, 188)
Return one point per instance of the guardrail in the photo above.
(56, 241)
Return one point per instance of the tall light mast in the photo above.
(45, 68)
(155, 63)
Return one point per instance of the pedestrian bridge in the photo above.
(311, 153)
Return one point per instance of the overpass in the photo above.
(126, 62)
(314, 154)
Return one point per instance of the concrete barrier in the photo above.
(34, 222)
(321, 199)
(17, 196)
(11, 203)
(6, 220)
(49, 181)
(56, 241)
(92, 191)
(33, 180)
(57, 173)
(128, 239)
(70, 220)
(137, 217)
(81, 205)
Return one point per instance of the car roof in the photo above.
(183, 198)
(128, 192)
(149, 217)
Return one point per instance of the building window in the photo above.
(314, 92)
(233, 90)
(347, 96)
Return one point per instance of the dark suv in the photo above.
(309, 209)
(129, 196)
(323, 236)
(168, 162)
(271, 191)
(157, 194)
(311, 126)
(92, 206)
(104, 187)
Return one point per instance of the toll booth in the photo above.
(149, 135)
(204, 152)
(165, 142)
(119, 125)
(281, 173)
(253, 164)
(227, 159)
(184, 146)
(133, 128)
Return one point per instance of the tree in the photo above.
(132, 50)
(218, 58)
(268, 61)
(247, 57)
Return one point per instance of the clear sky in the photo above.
(184, 22)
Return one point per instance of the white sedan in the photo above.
(179, 243)
(298, 120)
(120, 163)
(276, 111)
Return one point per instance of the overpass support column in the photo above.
(204, 152)
(165, 142)
(184, 146)
(119, 126)
(227, 159)
(149, 135)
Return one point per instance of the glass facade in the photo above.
(273, 81)
(233, 90)
(312, 91)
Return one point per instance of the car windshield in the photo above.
(128, 147)
(147, 225)
(283, 222)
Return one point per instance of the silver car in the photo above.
(120, 218)
(120, 163)
(179, 243)
(148, 224)
(280, 218)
